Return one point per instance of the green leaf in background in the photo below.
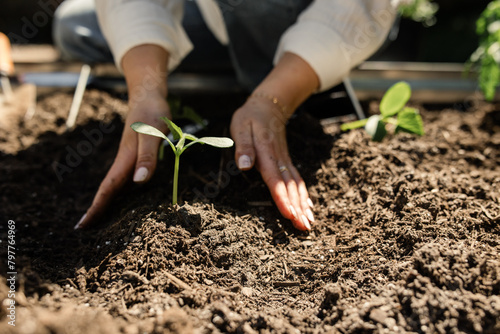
(409, 120)
(486, 58)
(190, 114)
(489, 77)
(354, 124)
(395, 99)
(419, 10)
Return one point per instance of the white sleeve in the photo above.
(129, 23)
(333, 36)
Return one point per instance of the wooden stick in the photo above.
(77, 98)
(177, 282)
(7, 88)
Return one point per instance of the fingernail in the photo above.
(294, 213)
(244, 162)
(310, 203)
(310, 215)
(140, 174)
(306, 222)
(77, 226)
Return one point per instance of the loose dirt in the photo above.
(406, 238)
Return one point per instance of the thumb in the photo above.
(244, 152)
(147, 152)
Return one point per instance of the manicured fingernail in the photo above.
(140, 174)
(77, 226)
(244, 162)
(310, 215)
(294, 213)
(310, 203)
(306, 222)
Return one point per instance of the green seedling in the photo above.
(393, 110)
(181, 145)
(180, 111)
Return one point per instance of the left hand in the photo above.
(258, 129)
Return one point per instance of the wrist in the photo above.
(145, 70)
(289, 84)
(270, 98)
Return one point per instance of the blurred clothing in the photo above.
(332, 36)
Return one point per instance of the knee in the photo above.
(70, 24)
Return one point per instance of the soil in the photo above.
(406, 238)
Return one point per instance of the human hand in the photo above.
(258, 129)
(145, 70)
(137, 155)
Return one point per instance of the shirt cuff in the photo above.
(326, 59)
(136, 23)
(332, 41)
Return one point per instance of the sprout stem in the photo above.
(161, 151)
(176, 178)
(391, 120)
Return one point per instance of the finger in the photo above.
(244, 145)
(285, 195)
(277, 186)
(146, 158)
(302, 221)
(305, 201)
(279, 193)
(114, 181)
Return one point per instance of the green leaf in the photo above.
(353, 125)
(190, 114)
(489, 77)
(217, 141)
(409, 120)
(148, 130)
(175, 107)
(174, 129)
(375, 127)
(190, 137)
(180, 143)
(395, 99)
(161, 152)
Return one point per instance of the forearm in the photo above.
(291, 81)
(145, 69)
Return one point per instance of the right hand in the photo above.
(137, 156)
(145, 70)
(258, 130)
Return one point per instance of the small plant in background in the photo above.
(423, 11)
(393, 110)
(181, 111)
(181, 145)
(487, 56)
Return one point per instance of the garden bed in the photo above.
(406, 238)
